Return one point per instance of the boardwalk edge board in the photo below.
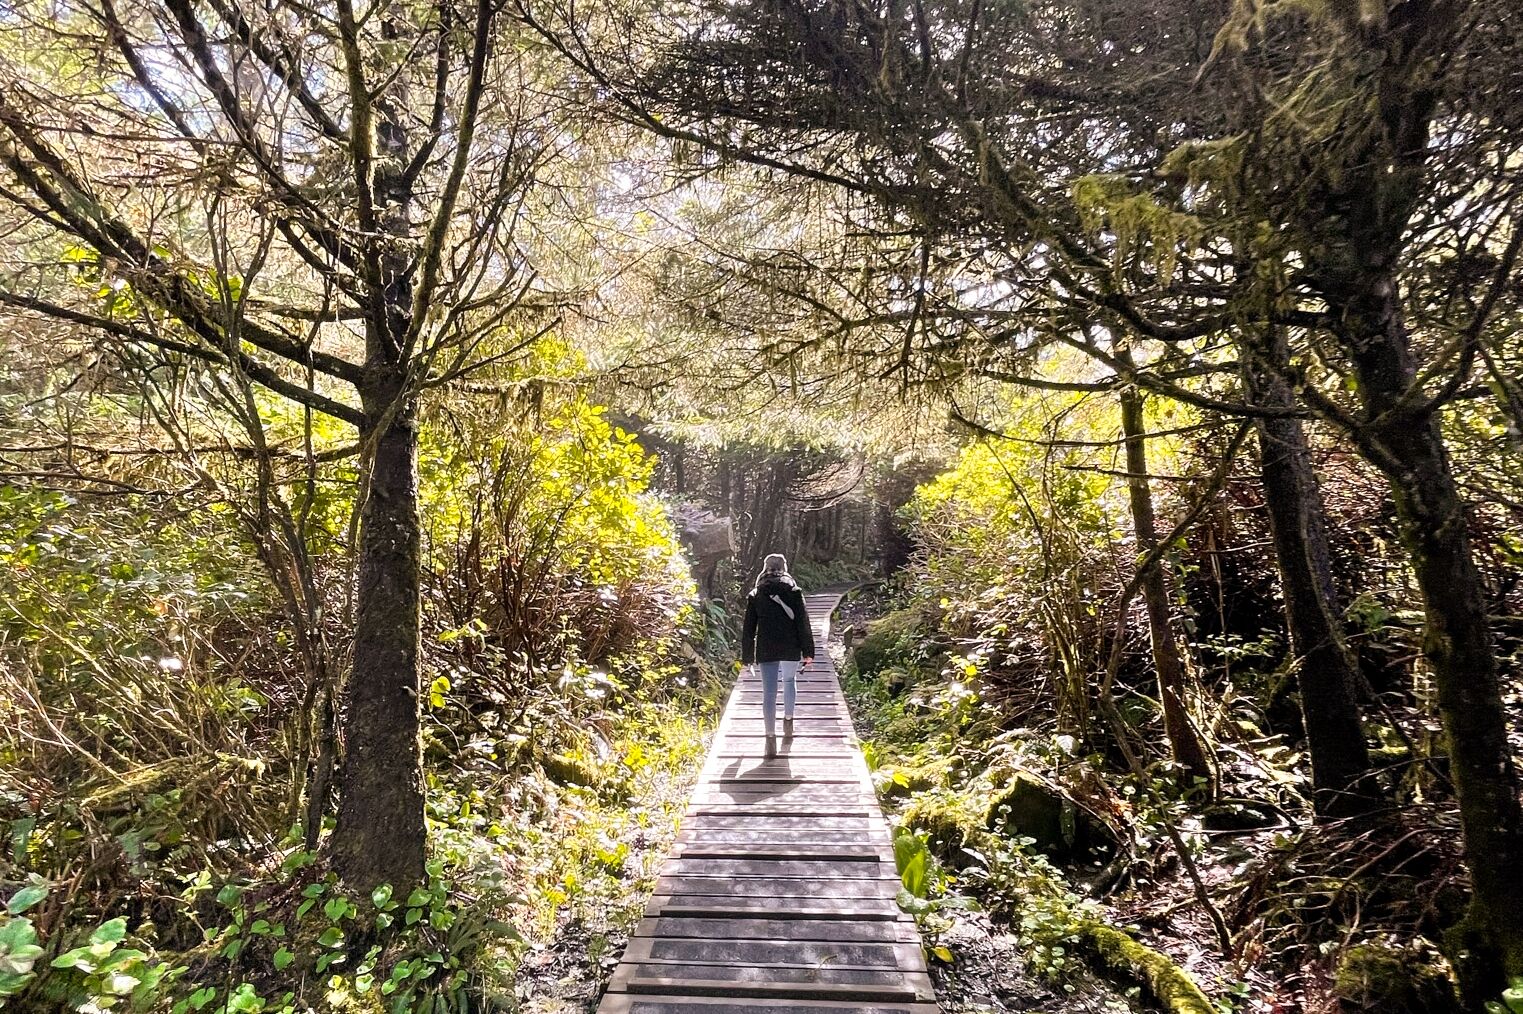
(778, 895)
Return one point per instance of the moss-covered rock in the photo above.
(949, 825)
(894, 678)
(1031, 807)
(565, 769)
(1386, 977)
(902, 780)
(885, 640)
(1170, 985)
(901, 727)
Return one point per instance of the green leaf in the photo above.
(26, 898)
(381, 896)
(283, 958)
(912, 905)
(17, 933)
(21, 960)
(110, 932)
(79, 957)
(941, 953)
(10, 984)
(119, 983)
(245, 1000)
(331, 937)
(914, 874)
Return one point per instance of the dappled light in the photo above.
(633, 507)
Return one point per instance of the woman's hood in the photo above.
(772, 582)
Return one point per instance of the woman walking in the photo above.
(776, 637)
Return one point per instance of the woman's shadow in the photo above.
(764, 779)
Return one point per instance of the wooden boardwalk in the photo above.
(779, 894)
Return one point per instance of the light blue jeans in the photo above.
(770, 671)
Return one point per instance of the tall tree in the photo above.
(1168, 661)
(1326, 673)
(359, 175)
(1387, 72)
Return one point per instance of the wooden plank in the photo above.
(774, 953)
(815, 870)
(725, 820)
(842, 840)
(785, 850)
(820, 810)
(634, 1003)
(847, 930)
(824, 983)
(709, 906)
(776, 888)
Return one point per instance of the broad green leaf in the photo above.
(110, 932)
(26, 898)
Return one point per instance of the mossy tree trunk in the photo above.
(1327, 675)
(380, 835)
(1354, 216)
(1185, 745)
(1457, 641)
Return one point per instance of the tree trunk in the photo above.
(1188, 750)
(1457, 641)
(727, 508)
(1327, 675)
(380, 836)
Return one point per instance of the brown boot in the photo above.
(771, 747)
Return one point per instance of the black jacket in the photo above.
(768, 635)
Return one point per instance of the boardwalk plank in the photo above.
(626, 1003)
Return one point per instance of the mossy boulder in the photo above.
(1387, 977)
(895, 679)
(886, 640)
(1031, 807)
(899, 781)
(948, 824)
(564, 769)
